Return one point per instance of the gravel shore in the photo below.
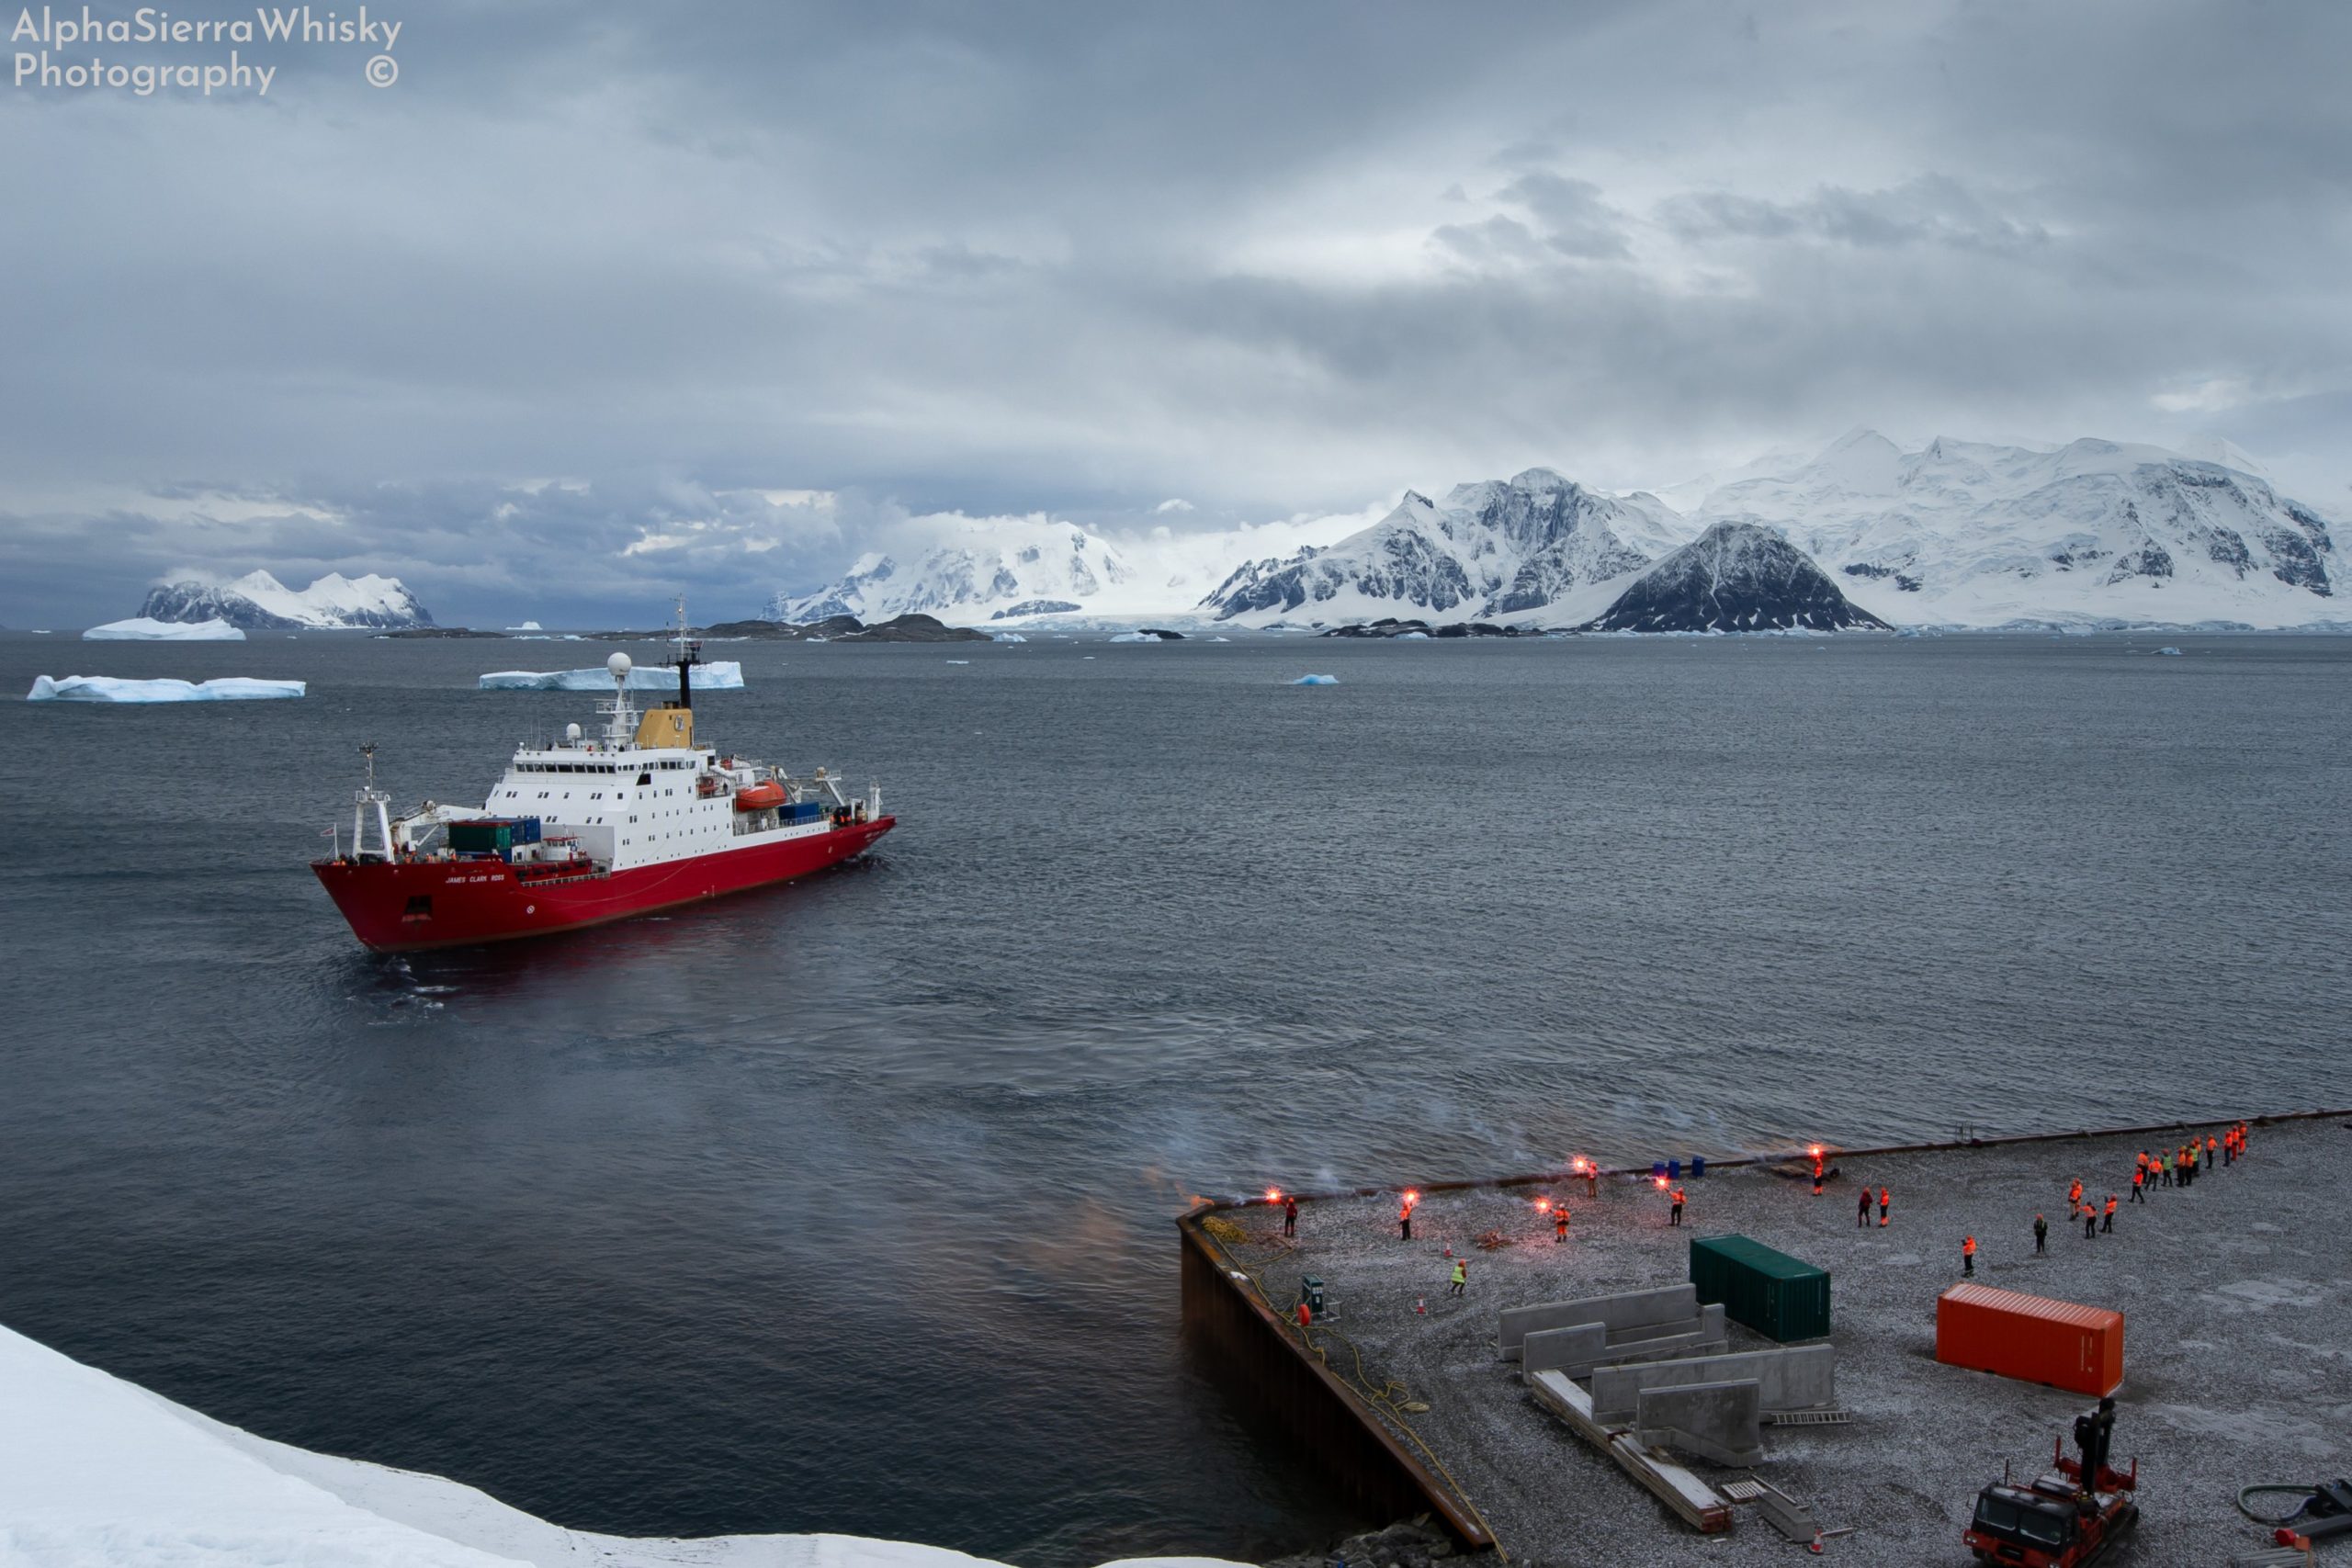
(2238, 1338)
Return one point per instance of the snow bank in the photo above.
(718, 675)
(97, 1472)
(1316, 681)
(139, 628)
(107, 689)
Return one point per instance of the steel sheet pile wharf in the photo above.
(1612, 1388)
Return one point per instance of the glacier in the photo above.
(718, 675)
(1017, 565)
(98, 1472)
(259, 601)
(139, 628)
(108, 689)
(1970, 534)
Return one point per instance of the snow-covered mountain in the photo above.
(989, 567)
(1969, 534)
(259, 601)
(1511, 549)
(1736, 577)
(1951, 533)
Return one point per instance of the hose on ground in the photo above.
(2305, 1490)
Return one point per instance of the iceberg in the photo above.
(1137, 637)
(139, 628)
(718, 675)
(1007, 636)
(2172, 652)
(1316, 681)
(107, 689)
(527, 626)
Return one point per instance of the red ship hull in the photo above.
(407, 905)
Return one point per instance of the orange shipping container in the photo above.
(2030, 1338)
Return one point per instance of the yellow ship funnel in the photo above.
(668, 724)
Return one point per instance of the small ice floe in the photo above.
(718, 675)
(1316, 681)
(2170, 652)
(139, 628)
(108, 689)
(959, 662)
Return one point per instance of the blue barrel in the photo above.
(1674, 1171)
(1657, 1170)
(1698, 1166)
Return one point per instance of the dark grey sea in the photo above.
(846, 1206)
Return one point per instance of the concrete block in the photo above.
(1579, 1348)
(1572, 1349)
(1802, 1377)
(1620, 1313)
(1717, 1421)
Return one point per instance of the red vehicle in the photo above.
(2071, 1515)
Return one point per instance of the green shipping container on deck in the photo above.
(1780, 1297)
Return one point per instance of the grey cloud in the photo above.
(1576, 221)
(1496, 239)
(1028, 257)
(1929, 210)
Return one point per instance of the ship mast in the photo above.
(366, 796)
(689, 654)
(620, 723)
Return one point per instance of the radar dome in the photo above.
(571, 732)
(619, 665)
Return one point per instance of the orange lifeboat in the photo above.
(759, 796)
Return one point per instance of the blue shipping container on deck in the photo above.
(492, 835)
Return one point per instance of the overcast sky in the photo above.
(597, 303)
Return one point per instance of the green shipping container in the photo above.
(1780, 1297)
